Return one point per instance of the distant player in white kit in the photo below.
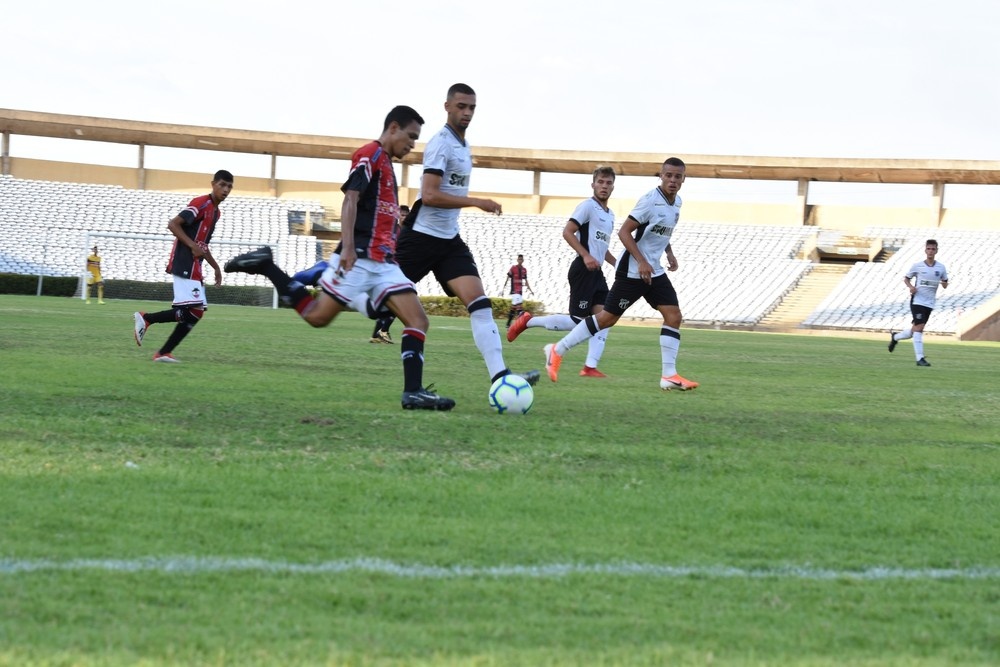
(926, 277)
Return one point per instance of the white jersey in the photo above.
(927, 280)
(595, 227)
(448, 156)
(657, 218)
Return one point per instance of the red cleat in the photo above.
(518, 326)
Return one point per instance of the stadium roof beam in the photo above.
(976, 172)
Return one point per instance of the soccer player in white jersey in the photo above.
(926, 277)
(646, 236)
(588, 232)
(430, 240)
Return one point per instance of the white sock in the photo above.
(595, 348)
(487, 338)
(580, 333)
(670, 345)
(553, 322)
(903, 335)
(918, 344)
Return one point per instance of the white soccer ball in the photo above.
(511, 394)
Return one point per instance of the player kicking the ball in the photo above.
(639, 274)
(366, 277)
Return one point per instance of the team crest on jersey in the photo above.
(623, 303)
(196, 292)
(583, 305)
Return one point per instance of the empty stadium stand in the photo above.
(730, 275)
(44, 227)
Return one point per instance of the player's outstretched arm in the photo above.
(431, 195)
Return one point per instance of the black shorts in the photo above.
(419, 254)
(586, 289)
(626, 291)
(920, 313)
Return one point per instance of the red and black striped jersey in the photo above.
(376, 223)
(200, 217)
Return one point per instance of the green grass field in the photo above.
(817, 501)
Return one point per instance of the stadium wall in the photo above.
(855, 218)
(983, 323)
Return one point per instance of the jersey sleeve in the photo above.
(643, 210)
(581, 214)
(436, 155)
(190, 212)
(362, 164)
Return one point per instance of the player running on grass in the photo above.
(366, 277)
(430, 240)
(588, 232)
(927, 276)
(646, 236)
(193, 228)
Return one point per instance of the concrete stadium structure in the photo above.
(838, 233)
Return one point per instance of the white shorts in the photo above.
(189, 292)
(516, 299)
(378, 280)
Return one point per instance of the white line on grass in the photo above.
(201, 565)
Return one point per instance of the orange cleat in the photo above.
(676, 382)
(553, 360)
(588, 372)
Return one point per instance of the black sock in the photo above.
(411, 348)
(280, 279)
(161, 317)
(176, 336)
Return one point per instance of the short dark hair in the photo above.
(604, 171)
(223, 175)
(402, 115)
(404, 209)
(460, 89)
(675, 162)
(931, 242)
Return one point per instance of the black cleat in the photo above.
(425, 399)
(923, 362)
(892, 341)
(531, 377)
(253, 262)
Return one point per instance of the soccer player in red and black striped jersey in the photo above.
(518, 277)
(193, 228)
(366, 277)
